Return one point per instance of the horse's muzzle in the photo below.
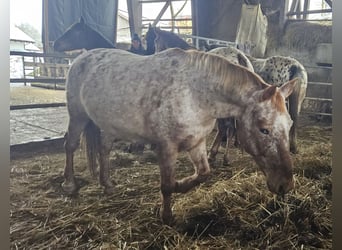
(281, 187)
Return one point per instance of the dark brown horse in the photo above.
(158, 40)
(172, 99)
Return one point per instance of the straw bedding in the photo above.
(233, 210)
(306, 35)
(298, 36)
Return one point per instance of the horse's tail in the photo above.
(91, 142)
(298, 71)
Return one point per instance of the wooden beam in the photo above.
(161, 13)
(156, 1)
(293, 5)
(284, 4)
(309, 12)
(306, 6)
(46, 26)
(134, 16)
(299, 8)
(329, 2)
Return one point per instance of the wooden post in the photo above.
(23, 61)
(46, 26)
(293, 5)
(284, 6)
(194, 17)
(305, 8)
(134, 16)
(299, 9)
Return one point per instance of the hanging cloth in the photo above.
(251, 35)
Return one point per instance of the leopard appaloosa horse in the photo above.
(172, 100)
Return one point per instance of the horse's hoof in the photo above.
(226, 162)
(168, 220)
(69, 188)
(166, 216)
(108, 190)
(293, 149)
(211, 159)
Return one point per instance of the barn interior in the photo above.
(233, 209)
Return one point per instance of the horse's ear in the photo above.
(242, 60)
(81, 20)
(287, 88)
(149, 26)
(268, 93)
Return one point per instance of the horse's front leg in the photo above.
(105, 148)
(202, 170)
(226, 161)
(167, 158)
(231, 133)
(71, 143)
(69, 185)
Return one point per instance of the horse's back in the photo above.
(277, 70)
(131, 94)
(234, 55)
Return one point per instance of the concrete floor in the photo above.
(36, 124)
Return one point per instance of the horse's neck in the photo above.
(228, 99)
(97, 41)
(150, 50)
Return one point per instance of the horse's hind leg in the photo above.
(293, 111)
(221, 130)
(105, 147)
(231, 133)
(202, 169)
(71, 143)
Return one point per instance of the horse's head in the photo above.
(263, 131)
(160, 42)
(73, 38)
(150, 36)
(81, 36)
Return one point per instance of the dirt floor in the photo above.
(232, 210)
(33, 95)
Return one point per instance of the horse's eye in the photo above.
(264, 131)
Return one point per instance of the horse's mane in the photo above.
(227, 72)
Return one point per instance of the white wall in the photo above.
(123, 33)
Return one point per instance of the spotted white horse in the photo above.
(172, 99)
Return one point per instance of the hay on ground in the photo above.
(233, 210)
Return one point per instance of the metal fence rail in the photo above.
(48, 68)
(37, 60)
